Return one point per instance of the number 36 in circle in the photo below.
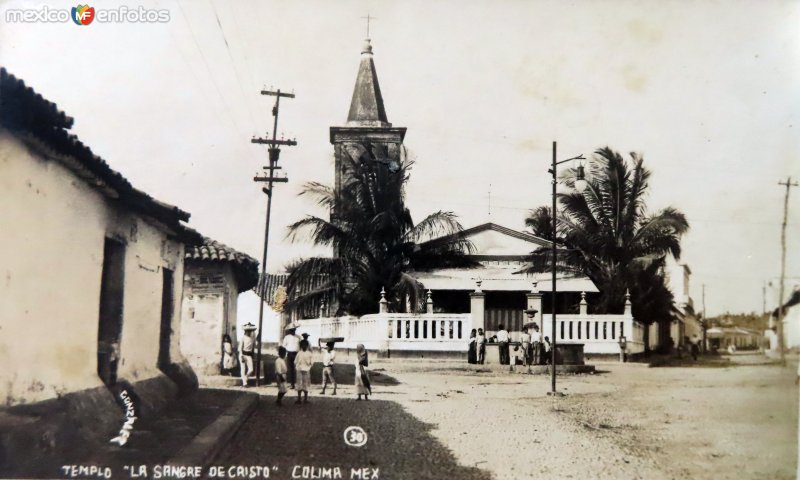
(355, 436)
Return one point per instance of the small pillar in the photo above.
(584, 307)
(429, 303)
(476, 307)
(628, 309)
(383, 305)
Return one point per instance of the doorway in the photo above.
(167, 307)
(112, 291)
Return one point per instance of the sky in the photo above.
(708, 92)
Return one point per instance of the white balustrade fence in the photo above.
(447, 332)
(600, 334)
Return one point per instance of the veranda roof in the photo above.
(500, 279)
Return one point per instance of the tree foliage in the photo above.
(375, 242)
(607, 234)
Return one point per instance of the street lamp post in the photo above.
(580, 185)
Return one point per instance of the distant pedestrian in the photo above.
(516, 359)
(303, 362)
(363, 386)
(246, 348)
(548, 358)
(695, 347)
(536, 336)
(292, 344)
(480, 346)
(280, 374)
(228, 355)
(502, 340)
(328, 357)
(472, 356)
(525, 344)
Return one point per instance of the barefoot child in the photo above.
(302, 363)
(327, 368)
(280, 373)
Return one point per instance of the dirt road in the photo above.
(443, 421)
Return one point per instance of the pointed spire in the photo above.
(366, 107)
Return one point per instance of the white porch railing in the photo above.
(394, 331)
(449, 332)
(598, 333)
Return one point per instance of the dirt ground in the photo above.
(446, 421)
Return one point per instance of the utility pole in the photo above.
(270, 179)
(788, 184)
(704, 322)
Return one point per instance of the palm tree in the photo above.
(607, 234)
(375, 242)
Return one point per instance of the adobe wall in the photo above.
(51, 276)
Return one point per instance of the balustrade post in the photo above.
(584, 307)
(383, 304)
(628, 309)
(429, 303)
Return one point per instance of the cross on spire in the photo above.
(368, 18)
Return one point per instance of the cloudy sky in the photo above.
(706, 91)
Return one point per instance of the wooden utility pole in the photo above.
(704, 322)
(270, 179)
(788, 184)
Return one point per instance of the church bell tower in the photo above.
(367, 125)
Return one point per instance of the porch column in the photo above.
(476, 307)
(535, 303)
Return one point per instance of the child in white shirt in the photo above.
(327, 368)
(302, 363)
(280, 372)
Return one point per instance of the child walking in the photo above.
(327, 368)
(280, 373)
(302, 363)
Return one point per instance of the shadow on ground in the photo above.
(153, 440)
(312, 435)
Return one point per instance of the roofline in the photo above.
(39, 123)
(497, 228)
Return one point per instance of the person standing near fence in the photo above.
(480, 346)
(292, 344)
(525, 343)
(502, 340)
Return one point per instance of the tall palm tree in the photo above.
(375, 242)
(607, 234)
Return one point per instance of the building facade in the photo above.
(92, 270)
(214, 276)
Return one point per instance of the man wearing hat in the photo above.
(292, 344)
(246, 347)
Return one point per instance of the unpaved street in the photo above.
(447, 421)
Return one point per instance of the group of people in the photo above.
(293, 365)
(531, 349)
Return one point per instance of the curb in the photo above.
(205, 447)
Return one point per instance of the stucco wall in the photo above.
(53, 231)
(208, 311)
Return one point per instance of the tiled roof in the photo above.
(41, 124)
(245, 267)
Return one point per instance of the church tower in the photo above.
(367, 124)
